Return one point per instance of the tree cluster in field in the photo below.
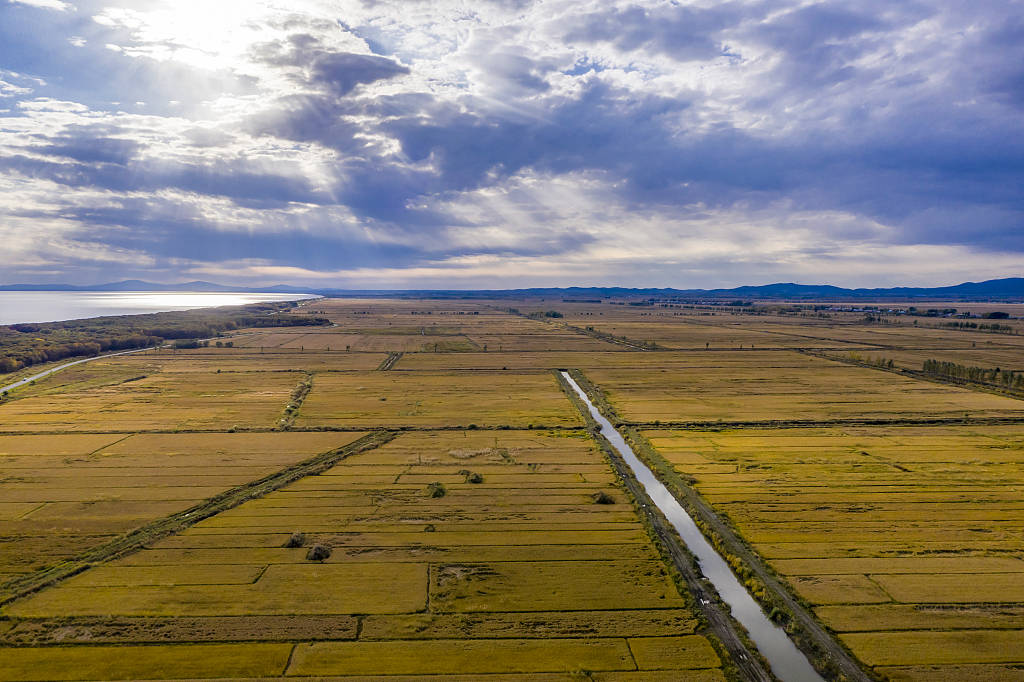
(886, 363)
(33, 355)
(994, 327)
(24, 345)
(980, 375)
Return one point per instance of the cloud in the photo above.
(45, 4)
(416, 141)
(320, 68)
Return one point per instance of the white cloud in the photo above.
(542, 140)
(45, 4)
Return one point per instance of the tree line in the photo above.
(24, 345)
(1007, 379)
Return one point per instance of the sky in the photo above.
(511, 143)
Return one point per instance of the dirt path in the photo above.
(28, 380)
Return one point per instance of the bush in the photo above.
(603, 498)
(296, 540)
(471, 477)
(436, 489)
(318, 552)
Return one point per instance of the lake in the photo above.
(51, 306)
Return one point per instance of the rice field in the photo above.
(785, 386)
(62, 494)
(520, 573)
(110, 396)
(471, 545)
(452, 398)
(906, 541)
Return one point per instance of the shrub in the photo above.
(471, 477)
(603, 498)
(296, 540)
(436, 489)
(318, 552)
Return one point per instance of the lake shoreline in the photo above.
(39, 307)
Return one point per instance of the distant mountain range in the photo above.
(993, 289)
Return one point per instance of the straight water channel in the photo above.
(787, 662)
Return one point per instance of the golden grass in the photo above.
(954, 673)
(63, 494)
(904, 539)
(108, 399)
(936, 648)
(673, 653)
(144, 662)
(541, 586)
(241, 359)
(311, 588)
(436, 399)
(869, 617)
(773, 388)
(520, 574)
(444, 657)
(839, 589)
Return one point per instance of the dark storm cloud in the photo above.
(107, 168)
(684, 33)
(321, 68)
(319, 240)
(191, 238)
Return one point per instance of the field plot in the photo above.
(112, 396)
(252, 360)
(907, 541)
(366, 399)
(62, 494)
(551, 339)
(511, 569)
(726, 329)
(340, 342)
(493, 360)
(785, 386)
(623, 358)
(678, 333)
(899, 335)
(1007, 359)
(422, 327)
(380, 316)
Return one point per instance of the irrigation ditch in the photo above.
(720, 595)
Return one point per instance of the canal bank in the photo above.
(786, 661)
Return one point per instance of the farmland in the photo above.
(905, 540)
(784, 386)
(516, 567)
(65, 493)
(474, 525)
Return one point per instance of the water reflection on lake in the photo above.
(49, 306)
